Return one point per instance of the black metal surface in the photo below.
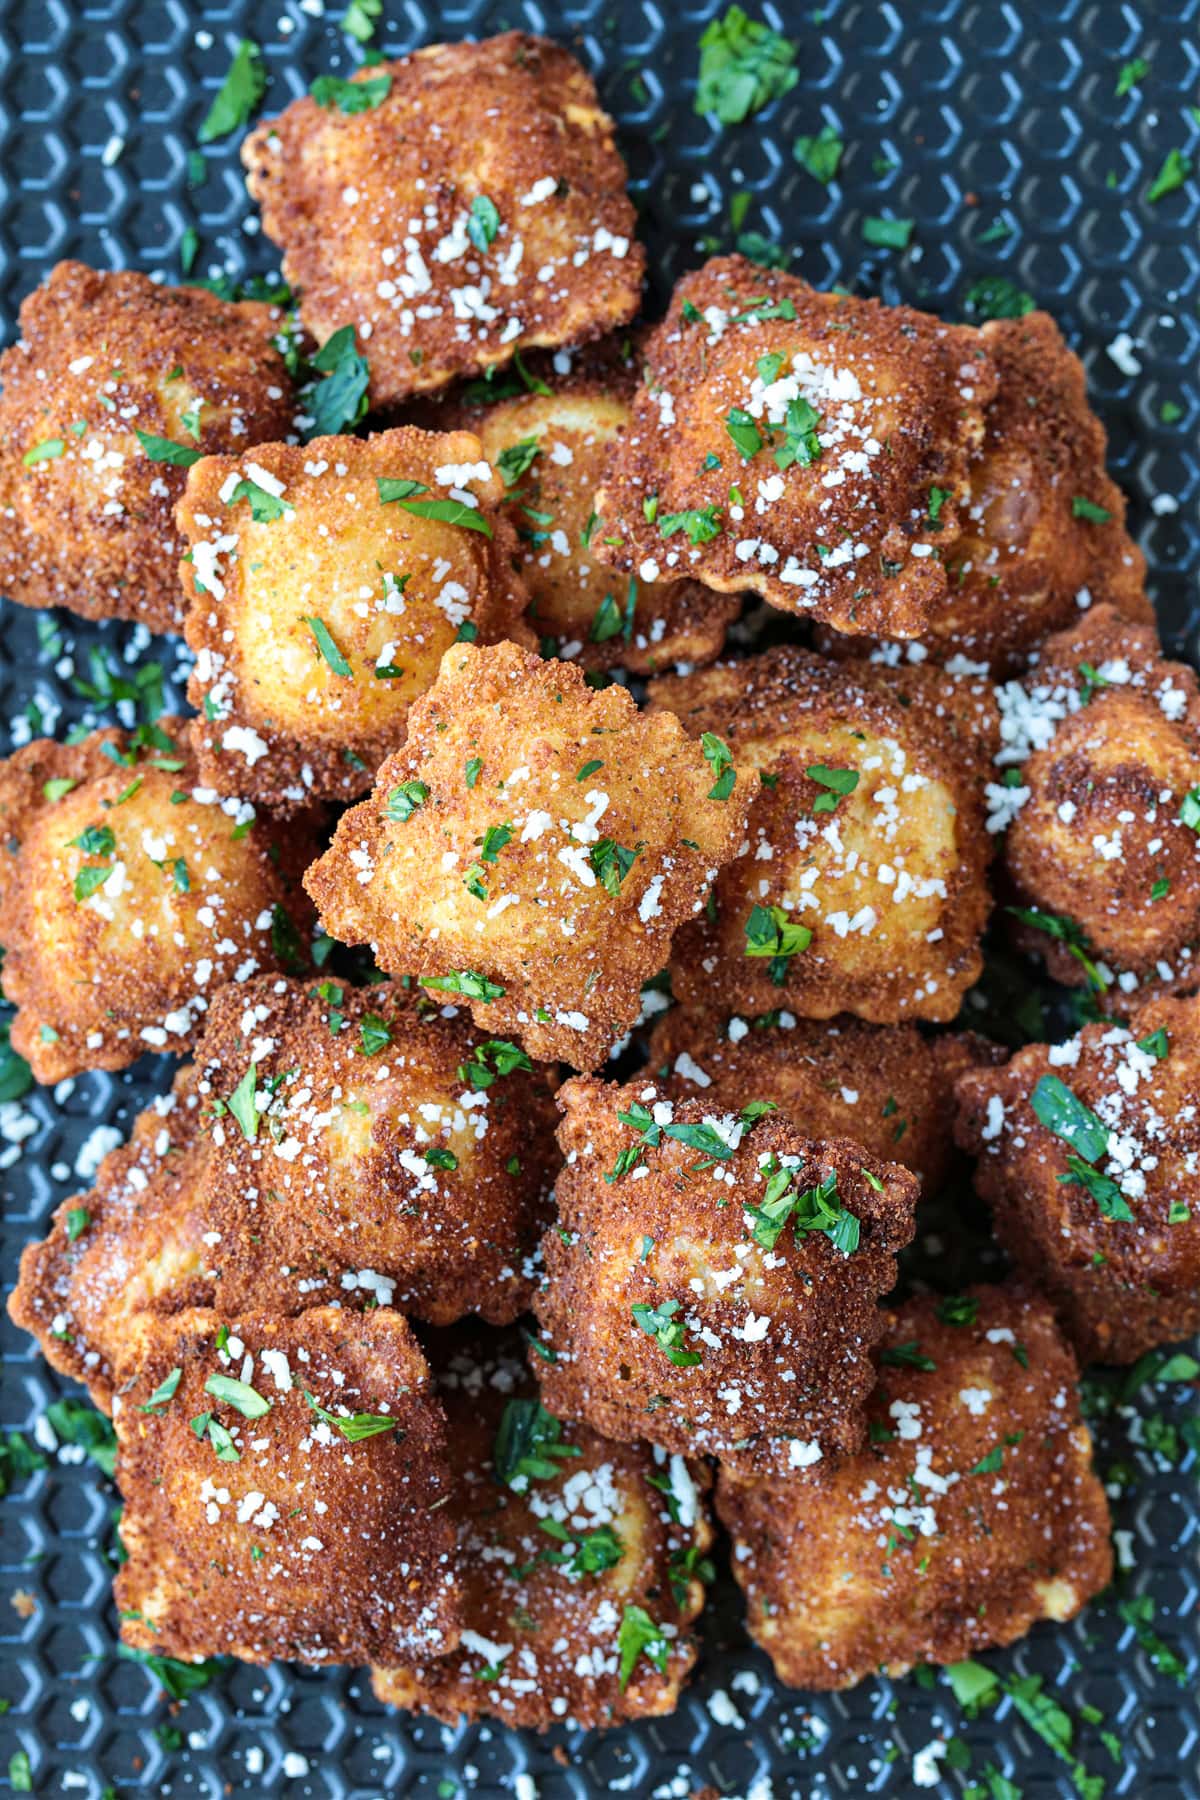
(982, 113)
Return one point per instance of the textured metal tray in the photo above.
(997, 129)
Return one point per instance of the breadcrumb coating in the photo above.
(711, 1286)
(284, 1481)
(115, 384)
(532, 848)
(971, 1514)
(1089, 1156)
(326, 582)
(810, 447)
(474, 207)
(582, 1562)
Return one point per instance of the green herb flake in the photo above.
(238, 94)
(325, 643)
(164, 1392)
(166, 450)
(78, 1220)
(242, 1104)
(407, 798)
(228, 1391)
(49, 450)
(333, 93)
(483, 222)
(1173, 172)
(638, 1634)
(887, 234)
(820, 156)
(1083, 508)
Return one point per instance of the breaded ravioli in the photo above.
(326, 583)
(1102, 738)
(471, 203)
(711, 1285)
(131, 893)
(362, 1147)
(1089, 1154)
(581, 1561)
(1043, 531)
(532, 848)
(972, 1513)
(811, 447)
(551, 448)
(284, 1482)
(886, 1086)
(860, 884)
(116, 384)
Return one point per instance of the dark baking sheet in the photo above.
(996, 127)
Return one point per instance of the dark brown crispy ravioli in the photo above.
(1105, 733)
(811, 447)
(683, 1303)
(886, 1086)
(255, 1525)
(85, 511)
(397, 1158)
(972, 1513)
(478, 209)
(532, 847)
(551, 447)
(315, 630)
(553, 1565)
(132, 892)
(860, 885)
(1107, 1225)
(132, 1245)
(1044, 528)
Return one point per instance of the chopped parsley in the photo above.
(164, 1392)
(238, 95)
(1062, 1113)
(1132, 73)
(483, 222)
(355, 1426)
(338, 401)
(821, 155)
(490, 1060)
(360, 19)
(265, 508)
(702, 524)
(638, 1634)
(451, 512)
(744, 65)
(49, 450)
(838, 783)
(1066, 932)
(1173, 172)
(800, 443)
(996, 297)
(719, 759)
(467, 982)
(78, 1220)
(1083, 508)
(668, 1332)
(815, 1209)
(747, 439)
(244, 1399)
(528, 1442)
(770, 931)
(887, 234)
(611, 863)
(166, 450)
(374, 1033)
(331, 91)
(517, 460)
(242, 1104)
(406, 799)
(906, 1356)
(327, 646)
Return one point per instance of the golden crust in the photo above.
(551, 1630)
(577, 603)
(391, 589)
(101, 357)
(199, 893)
(851, 536)
(1026, 560)
(561, 264)
(890, 880)
(885, 1086)
(304, 1545)
(505, 744)
(909, 1552)
(760, 1356)
(335, 1199)
(1120, 1286)
(1100, 840)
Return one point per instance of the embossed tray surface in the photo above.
(999, 131)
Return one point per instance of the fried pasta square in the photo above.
(810, 447)
(325, 584)
(116, 384)
(886, 1086)
(1088, 1156)
(532, 848)
(132, 892)
(551, 447)
(284, 1484)
(1102, 846)
(456, 206)
(330, 1145)
(711, 1286)
(582, 1562)
(1043, 530)
(860, 884)
(971, 1514)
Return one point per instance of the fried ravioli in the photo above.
(972, 1513)
(860, 885)
(116, 384)
(712, 1281)
(1044, 528)
(326, 583)
(886, 1086)
(581, 1561)
(284, 1484)
(810, 447)
(532, 848)
(1103, 848)
(471, 206)
(330, 1144)
(551, 449)
(134, 892)
(1088, 1156)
